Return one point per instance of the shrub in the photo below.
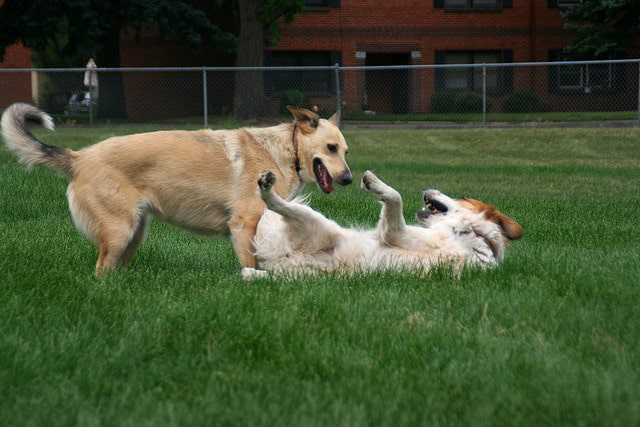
(457, 102)
(443, 101)
(522, 101)
(469, 102)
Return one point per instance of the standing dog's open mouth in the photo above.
(323, 178)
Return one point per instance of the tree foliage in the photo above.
(64, 33)
(603, 26)
(276, 12)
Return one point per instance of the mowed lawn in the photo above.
(550, 337)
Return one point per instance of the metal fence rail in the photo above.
(533, 94)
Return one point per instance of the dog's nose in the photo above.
(345, 179)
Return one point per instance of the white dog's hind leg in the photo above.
(391, 225)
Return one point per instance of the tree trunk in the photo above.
(249, 97)
(111, 99)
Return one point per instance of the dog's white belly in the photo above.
(367, 254)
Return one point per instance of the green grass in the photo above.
(551, 337)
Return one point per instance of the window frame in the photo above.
(320, 5)
(503, 76)
(314, 82)
(585, 75)
(563, 4)
(469, 6)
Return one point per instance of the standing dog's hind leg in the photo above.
(138, 237)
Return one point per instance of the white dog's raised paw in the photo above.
(370, 182)
(266, 180)
(368, 179)
(249, 273)
(373, 184)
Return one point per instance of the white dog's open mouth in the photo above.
(323, 178)
(432, 207)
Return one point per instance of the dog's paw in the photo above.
(266, 180)
(248, 273)
(374, 185)
(369, 181)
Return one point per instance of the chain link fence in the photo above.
(487, 95)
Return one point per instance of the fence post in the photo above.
(638, 124)
(484, 95)
(336, 68)
(204, 96)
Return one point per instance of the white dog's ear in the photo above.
(304, 118)
(511, 229)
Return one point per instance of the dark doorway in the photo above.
(387, 90)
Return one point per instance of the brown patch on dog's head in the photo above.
(510, 228)
(306, 120)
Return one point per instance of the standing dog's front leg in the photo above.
(391, 226)
(243, 230)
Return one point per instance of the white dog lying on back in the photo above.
(294, 238)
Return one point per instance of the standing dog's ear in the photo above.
(335, 119)
(306, 119)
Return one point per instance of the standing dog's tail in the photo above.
(29, 149)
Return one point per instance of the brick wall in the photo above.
(530, 28)
(15, 86)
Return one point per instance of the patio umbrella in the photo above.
(91, 78)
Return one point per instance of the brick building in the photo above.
(422, 32)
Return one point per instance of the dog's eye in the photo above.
(332, 148)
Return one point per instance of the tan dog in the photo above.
(294, 238)
(202, 181)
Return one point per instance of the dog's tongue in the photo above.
(326, 182)
(323, 178)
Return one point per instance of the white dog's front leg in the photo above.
(305, 226)
(391, 225)
(274, 202)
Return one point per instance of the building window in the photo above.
(465, 5)
(310, 81)
(563, 4)
(460, 78)
(321, 4)
(581, 77)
